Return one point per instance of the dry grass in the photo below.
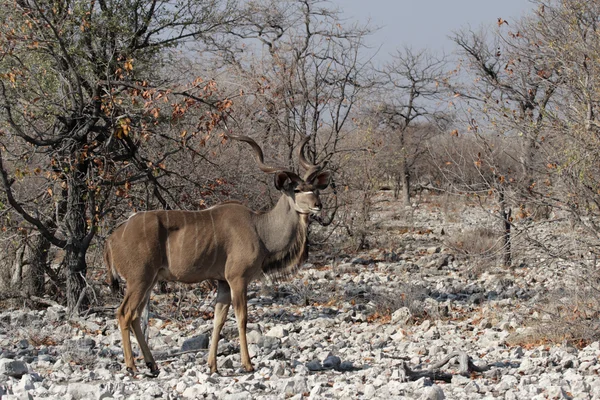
(478, 242)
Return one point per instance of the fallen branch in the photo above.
(41, 300)
(466, 366)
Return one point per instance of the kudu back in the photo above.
(229, 243)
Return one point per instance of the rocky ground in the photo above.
(349, 326)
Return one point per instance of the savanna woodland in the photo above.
(463, 198)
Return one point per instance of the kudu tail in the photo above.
(113, 279)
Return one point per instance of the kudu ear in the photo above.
(284, 181)
(320, 180)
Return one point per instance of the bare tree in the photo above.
(82, 94)
(508, 96)
(412, 87)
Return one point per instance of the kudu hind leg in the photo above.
(221, 309)
(239, 290)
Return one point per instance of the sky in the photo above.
(427, 23)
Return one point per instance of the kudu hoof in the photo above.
(131, 371)
(154, 371)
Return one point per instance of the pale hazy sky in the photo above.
(427, 23)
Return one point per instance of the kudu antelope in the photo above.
(228, 242)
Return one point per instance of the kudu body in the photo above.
(228, 242)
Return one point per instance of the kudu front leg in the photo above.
(221, 309)
(128, 315)
(125, 315)
(139, 334)
(239, 290)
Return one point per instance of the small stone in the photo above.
(517, 352)
(433, 250)
(398, 336)
(56, 313)
(86, 344)
(441, 262)
(315, 391)
(194, 392)
(401, 316)
(460, 380)
(199, 342)
(278, 332)
(154, 391)
(181, 386)
(423, 382)
(85, 391)
(269, 342)
(556, 392)
(485, 324)
(294, 386)
(13, 368)
(433, 392)
(472, 387)
(332, 362)
(226, 363)
(346, 366)
(314, 365)
(20, 396)
(279, 369)
(24, 384)
(254, 337)
(237, 396)
(369, 391)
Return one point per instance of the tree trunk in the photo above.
(505, 217)
(75, 271)
(78, 241)
(30, 266)
(405, 186)
(404, 170)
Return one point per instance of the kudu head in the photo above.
(302, 193)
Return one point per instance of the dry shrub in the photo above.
(475, 242)
(411, 296)
(73, 355)
(480, 246)
(564, 316)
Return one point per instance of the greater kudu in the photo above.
(228, 242)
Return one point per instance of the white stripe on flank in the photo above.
(146, 233)
(182, 239)
(196, 223)
(215, 239)
(126, 224)
(168, 246)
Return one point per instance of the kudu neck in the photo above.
(279, 227)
